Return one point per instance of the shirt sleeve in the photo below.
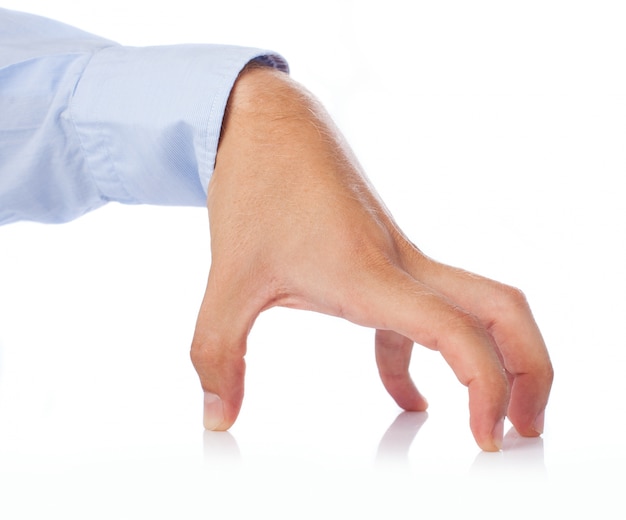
(86, 121)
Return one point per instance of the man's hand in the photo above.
(295, 223)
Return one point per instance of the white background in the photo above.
(495, 132)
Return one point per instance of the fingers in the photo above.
(393, 355)
(506, 315)
(218, 350)
(402, 304)
(526, 358)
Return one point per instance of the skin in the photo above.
(294, 222)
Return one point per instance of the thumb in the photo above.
(217, 354)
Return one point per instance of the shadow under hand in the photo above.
(393, 448)
(519, 455)
(220, 450)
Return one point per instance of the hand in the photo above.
(295, 223)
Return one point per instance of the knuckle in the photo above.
(203, 354)
(548, 373)
(212, 351)
(197, 354)
(512, 297)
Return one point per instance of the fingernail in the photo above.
(213, 411)
(539, 422)
(498, 434)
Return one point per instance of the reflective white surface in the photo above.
(496, 137)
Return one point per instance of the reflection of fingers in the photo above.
(396, 442)
(505, 312)
(405, 305)
(217, 353)
(393, 354)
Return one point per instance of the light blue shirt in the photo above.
(84, 120)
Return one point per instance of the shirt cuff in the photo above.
(149, 119)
